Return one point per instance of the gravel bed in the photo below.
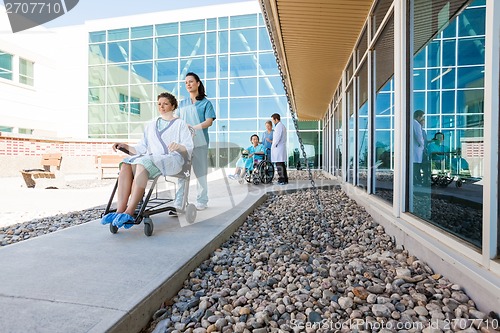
(290, 269)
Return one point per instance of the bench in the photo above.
(48, 161)
(106, 164)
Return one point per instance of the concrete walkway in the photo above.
(85, 279)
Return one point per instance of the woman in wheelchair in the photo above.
(257, 168)
(166, 144)
(255, 154)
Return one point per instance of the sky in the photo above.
(98, 9)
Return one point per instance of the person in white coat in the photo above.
(278, 149)
(418, 146)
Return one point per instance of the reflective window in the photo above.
(192, 26)
(192, 45)
(264, 41)
(97, 76)
(350, 140)
(268, 64)
(271, 85)
(362, 132)
(166, 70)
(339, 138)
(141, 32)
(117, 74)
(141, 49)
(243, 40)
(26, 73)
(243, 87)
(243, 108)
(97, 37)
(118, 34)
(167, 29)
(6, 65)
(195, 65)
(223, 42)
(211, 67)
(243, 21)
(211, 42)
(243, 65)
(97, 54)
(166, 47)
(270, 105)
(118, 52)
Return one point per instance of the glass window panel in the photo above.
(243, 108)
(117, 94)
(432, 122)
(96, 113)
(271, 86)
(118, 52)
(448, 121)
(167, 29)
(243, 21)
(172, 87)
(118, 74)
(211, 67)
(223, 22)
(223, 41)
(167, 70)
(115, 113)
(261, 20)
(451, 30)
(308, 125)
(270, 105)
(97, 76)
(195, 65)
(433, 102)
(241, 87)
(212, 24)
(211, 88)
(434, 54)
(448, 101)
(148, 111)
(141, 49)
(243, 65)
(448, 78)
(470, 77)
(141, 32)
(244, 125)
(382, 104)
(223, 108)
(472, 22)
(96, 131)
(142, 92)
(223, 66)
(244, 40)
(268, 65)
(211, 42)
(470, 101)
(223, 88)
(264, 41)
(362, 45)
(449, 53)
(433, 78)
(192, 26)
(97, 37)
(419, 59)
(192, 45)
(97, 54)
(471, 51)
(167, 47)
(419, 79)
(379, 12)
(26, 75)
(96, 95)
(419, 101)
(118, 34)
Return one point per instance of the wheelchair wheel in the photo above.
(191, 213)
(266, 172)
(113, 228)
(148, 226)
(256, 181)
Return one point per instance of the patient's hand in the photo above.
(174, 146)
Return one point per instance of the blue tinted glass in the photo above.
(244, 40)
(222, 109)
(383, 122)
(264, 41)
(432, 122)
(223, 22)
(261, 20)
(142, 49)
(419, 79)
(470, 77)
(192, 26)
(433, 102)
(223, 66)
(449, 53)
(243, 65)
(478, 3)
(172, 87)
(471, 51)
(448, 78)
(419, 101)
(268, 64)
(270, 105)
(469, 101)
(223, 88)
(167, 47)
(140, 32)
(244, 125)
(243, 87)
(117, 74)
(144, 70)
(472, 22)
(211, 42)
(433, 78)
(166, 70)
(118, 34)
(271, 86)
(212, 24)
(167, 29)
(195, 65)
(210, 88)
(97, 54)
(243, 108)
(118, 52)
(419, 59)
(241, 139)
(211, 67)
(434, 53)
(448, 121)
(451, 30)
(98, 36)
(383, 104)
(192, 45)
(223, 42)
(243, 21)
(448, 102)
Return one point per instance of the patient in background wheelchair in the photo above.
(255, 155)
(166, 144)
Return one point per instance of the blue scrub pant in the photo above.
(199, 161)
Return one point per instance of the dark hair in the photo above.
(171, 98)
(418, 114)
(258, 139)
(201, 88)
(276, 116)
(269, 122)
(438, 133)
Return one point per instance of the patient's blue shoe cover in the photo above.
(108, 218)
(121, 219)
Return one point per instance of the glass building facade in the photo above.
(444, 186)
(233, 56)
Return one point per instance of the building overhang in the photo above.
(314, 40)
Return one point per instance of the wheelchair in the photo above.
(262, 172)
(153, 204)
